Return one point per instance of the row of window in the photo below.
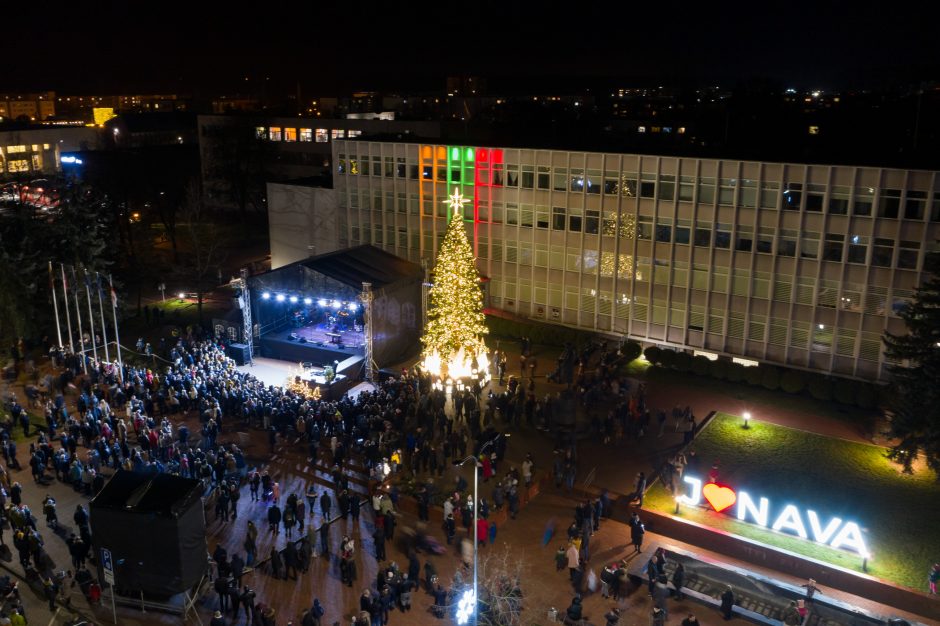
(774, 331)
(842, 200)
(16, 166)
(23, 149)
(836, 247)
(316, 135)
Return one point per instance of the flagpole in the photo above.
(91, 316)
(78, 316)
(55, 305)
(104, 330)
(68, 316)
(117, 338)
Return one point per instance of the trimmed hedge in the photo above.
(770, 378)
(867, 396)
(700, 365)
(684, 363)
(667, 357)
(821, 388)
(736, 372)
(652, 354)
(793, 381)
(719, 369)
(753, 375)
(632, 350)
(844, 390)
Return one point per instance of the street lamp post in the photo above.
(476, 502)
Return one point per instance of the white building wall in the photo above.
(795, 264)
(302, 222)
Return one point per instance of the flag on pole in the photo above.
(113, 296)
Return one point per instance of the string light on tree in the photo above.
(453, 339)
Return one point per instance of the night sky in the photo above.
(173, 46)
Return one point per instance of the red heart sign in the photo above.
(719, 497)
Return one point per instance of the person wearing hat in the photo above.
(613, 617)
(217, 619)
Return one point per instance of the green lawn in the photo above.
(898, 513)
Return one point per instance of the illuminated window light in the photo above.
(711, 356)
(266, 296)
(279, 297)
(745, 362)
(308, 301)
(293, 299)
(321, 302)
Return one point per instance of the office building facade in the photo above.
(793, 264)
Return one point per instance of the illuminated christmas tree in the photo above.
(453, 343)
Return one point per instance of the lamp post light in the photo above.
(747, 419)
(476, 538)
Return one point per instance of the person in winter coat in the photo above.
(727, 602)
(274, 519)
(277, 564)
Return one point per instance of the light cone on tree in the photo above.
(453, 339)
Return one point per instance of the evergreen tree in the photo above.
(455, 311)
(915, 402)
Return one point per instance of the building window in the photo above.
(686, 188)
(832, 249)
(748, 196)
(664, 231)
(907, 255)
(765, 240)
(337, 133)
(544, 173)
(574, 220)
(706, 190)
(353, 133)
(864, 198)
(306, 134)
(667, 187)
(17, 165)
(512, 175)
(648, 186)
(290, 134)
(644, 228)
(558, 218)
(814, 197)
(703, 235)
(683, 231)
(809, 246)
(882, 252)
(322, 135)
(560, 182)
(745, 239)
(889, 204)
(726, 187)
(541, 217)
(400, 167)
(769, 194)
(592, 222)
(914, 205)
(839, 200)
(935, 208)
(261, 132)
(858, 249)
(786, 244)
(528, 177)
(274, 133)
(793, 196)
(723, 236)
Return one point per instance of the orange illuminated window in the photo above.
(290, 134)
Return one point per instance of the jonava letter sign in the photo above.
(835, 533)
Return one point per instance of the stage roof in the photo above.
(355, 266)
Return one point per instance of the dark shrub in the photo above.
(652, 354)
(770, 378)
(700, 365)
(683, 362)
(793, 381)
(719, 369)
(820, 388)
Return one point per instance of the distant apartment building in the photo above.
(38, 151)
(239, 154)
(787, 263)
(27, 107)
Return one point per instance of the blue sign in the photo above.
(107, 566)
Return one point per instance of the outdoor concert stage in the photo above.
(319, 345)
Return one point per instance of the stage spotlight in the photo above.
(336, 304)
(308, 301)
(353, 306)
(279, 297)
(266, 296)
(293, 299)
(321, 302)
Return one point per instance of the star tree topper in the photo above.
(456, 201)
